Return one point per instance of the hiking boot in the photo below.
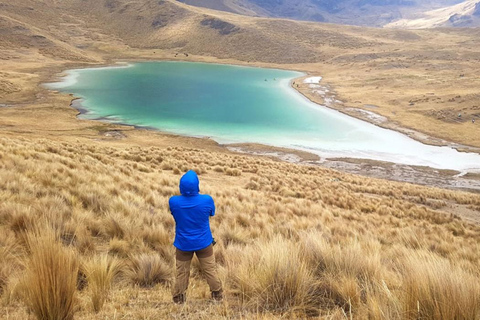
(217, 295)
(180, 299)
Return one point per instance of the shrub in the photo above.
(218, 169)
(49, 284)
(435, 289)
(233, 172)
(100, 272)
(5, 272)
(272, 276)
(114, 227)
(146, 270)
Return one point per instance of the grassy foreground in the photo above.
(85, 232)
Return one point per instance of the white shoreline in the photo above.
(312, 80)
(71, 76)
(471, 160)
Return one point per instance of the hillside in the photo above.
(85, 202)
(323, 243)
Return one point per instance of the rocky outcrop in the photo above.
(223, 27)
(159, 22)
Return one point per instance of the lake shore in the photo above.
(448, 179)
(325, 95)
(53, 72)
(362, 112)
(371, 168)
(330, 134)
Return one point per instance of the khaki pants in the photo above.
(207, 263)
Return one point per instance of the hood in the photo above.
(189, 184)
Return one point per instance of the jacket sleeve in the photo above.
(170, 205)
(212, 207)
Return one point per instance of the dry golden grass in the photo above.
(50, 282)
(272, 276)
(293, 240)
(100, 272)
(147, 270)
(434, 289)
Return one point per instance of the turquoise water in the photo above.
(241, 104)
(200, 99)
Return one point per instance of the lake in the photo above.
(233, 104)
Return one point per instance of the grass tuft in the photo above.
(274, 277)
(49, 284)
(101, 272)
(147, 270)
(431, 285)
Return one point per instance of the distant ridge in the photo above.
(373, 13)
(476, 12)
(465, 14)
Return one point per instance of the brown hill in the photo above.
(168, 25)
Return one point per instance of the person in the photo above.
(191, 212)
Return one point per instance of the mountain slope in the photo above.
(91, 25)
(375, 13)
(465, 14)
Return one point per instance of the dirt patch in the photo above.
(471, 175)
(467, 213)
(290, 155)
(159, 22)
(112, 5)
(362, 114)
(113, 134)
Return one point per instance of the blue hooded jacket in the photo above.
(192, 212)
